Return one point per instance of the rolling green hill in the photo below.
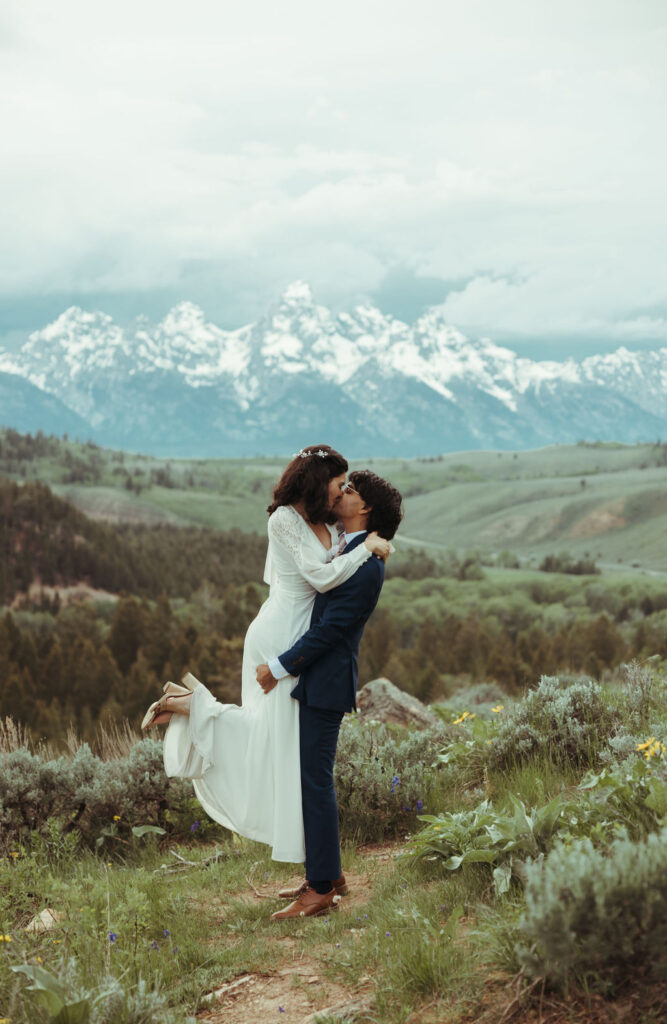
(605, 499)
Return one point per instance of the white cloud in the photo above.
(519, 146)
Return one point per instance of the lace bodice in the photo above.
(296, 555)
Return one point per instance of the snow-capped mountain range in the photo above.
(363, 380)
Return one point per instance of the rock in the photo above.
(45, 921)
(383, 701)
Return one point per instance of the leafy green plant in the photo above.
(486, 836)
(51, 994)
(632, 796)
(466, 755)
(621, 801)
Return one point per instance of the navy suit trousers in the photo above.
(318, 737)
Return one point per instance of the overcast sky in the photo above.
(504, 158)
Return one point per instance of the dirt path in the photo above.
(294, 994)
(297, 990)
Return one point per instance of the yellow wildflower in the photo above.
(39, 959)
(643, 746)
(5, 938)
(462, 718)
(499, 708)
(14, 853)
(116, 817)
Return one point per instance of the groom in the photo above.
(325, 660)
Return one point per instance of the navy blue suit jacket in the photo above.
(325, 657)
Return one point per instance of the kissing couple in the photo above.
(265, 769)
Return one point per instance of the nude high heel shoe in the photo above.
(188, 684)
(159, 713)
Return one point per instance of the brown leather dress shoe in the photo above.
(339, 884)
(308, 904)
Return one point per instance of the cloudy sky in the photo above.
(505, 158)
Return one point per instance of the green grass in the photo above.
(182, 933)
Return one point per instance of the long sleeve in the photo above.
(348, 604)
(286, 532)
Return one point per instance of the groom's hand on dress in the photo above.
(265, 678)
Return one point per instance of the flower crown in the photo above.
(304, 455)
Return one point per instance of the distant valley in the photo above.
(606, 500)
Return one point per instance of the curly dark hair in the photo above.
(306, 479)
(384, 500)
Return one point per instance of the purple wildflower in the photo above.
(112, 937)
(194, 826)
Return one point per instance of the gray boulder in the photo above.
(384, 702)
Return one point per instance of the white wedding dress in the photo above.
(244, 761)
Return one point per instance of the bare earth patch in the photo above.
(294, 993)
(601, 520)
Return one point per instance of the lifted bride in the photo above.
(244, 761)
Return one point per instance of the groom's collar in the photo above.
(354, 539)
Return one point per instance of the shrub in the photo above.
(597, 917)
(568, 724)
(481, 693)
(384, 777)
(643, 693)
(86, 793)
(563, 563)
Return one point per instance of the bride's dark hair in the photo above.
(306, 479)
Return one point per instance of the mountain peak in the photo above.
(297, 293)
(182, 317)
(73, 320)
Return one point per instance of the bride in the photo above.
(244, 761)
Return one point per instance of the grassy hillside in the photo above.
(606, 499)
(619, 517)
